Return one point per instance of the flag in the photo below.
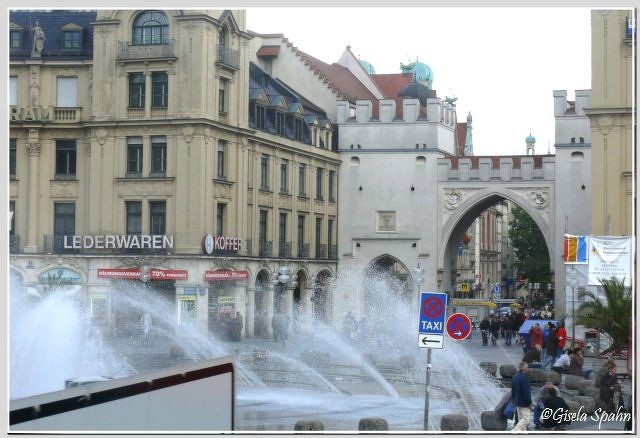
(576, 249)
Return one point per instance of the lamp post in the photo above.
(282, 277)
(418, 279)
(573, 282)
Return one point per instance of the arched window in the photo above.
(151, 27)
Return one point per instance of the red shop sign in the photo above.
(225, 275)
(134, 274)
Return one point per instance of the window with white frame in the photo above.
(13, 90)
(67, 92)
(159, 154)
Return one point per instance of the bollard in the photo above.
(309, 425)
(536, 375)
(508, 371)
(553, 377)
(489, 367)
(454, 422)
(588, 403)
(492, 420)
(373, 423)
(583, 385)
(571, 381)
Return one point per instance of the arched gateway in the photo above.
(426, 224)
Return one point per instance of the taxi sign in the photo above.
(433, 306)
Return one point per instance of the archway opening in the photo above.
(497, 253)
(261, 323)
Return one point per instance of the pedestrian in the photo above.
(552, 400)
(485, 325)
(539, 405)
(535, 335)
(576, 363)
(506, 324)
(561, 334)
(495, 329)
(521, 395)
(608, 385)
(550, 347)
(561, 365)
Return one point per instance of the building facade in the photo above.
(146, 149)
(612, 123)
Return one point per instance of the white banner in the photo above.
(610, 257)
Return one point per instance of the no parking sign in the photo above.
(433, 306)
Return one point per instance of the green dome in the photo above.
(530, 139)
(422, 72)
(367, 67)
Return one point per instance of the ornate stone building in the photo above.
(612, 80)
(146, 149)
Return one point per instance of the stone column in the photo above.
(269, 314)
(250, 310)
(148, 95)
(34, 147)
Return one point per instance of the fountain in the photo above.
(360, 378)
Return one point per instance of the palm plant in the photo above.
(612, 316)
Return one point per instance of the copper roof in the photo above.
(268, 51)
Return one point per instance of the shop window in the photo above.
(99, 310)
(186, 310)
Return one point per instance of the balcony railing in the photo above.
(266, 248)
(14, 244)
(228, 57)
(66, 115)
(303, 251)
(284, 249)
(129, 51)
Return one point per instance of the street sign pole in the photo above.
(426, 391)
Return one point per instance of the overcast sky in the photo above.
(501, 63)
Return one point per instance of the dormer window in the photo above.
(72, 39)
(151, 27)
(297, 129)
(279, 123)
(260, 116)
(15, 39)
(222, 37)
